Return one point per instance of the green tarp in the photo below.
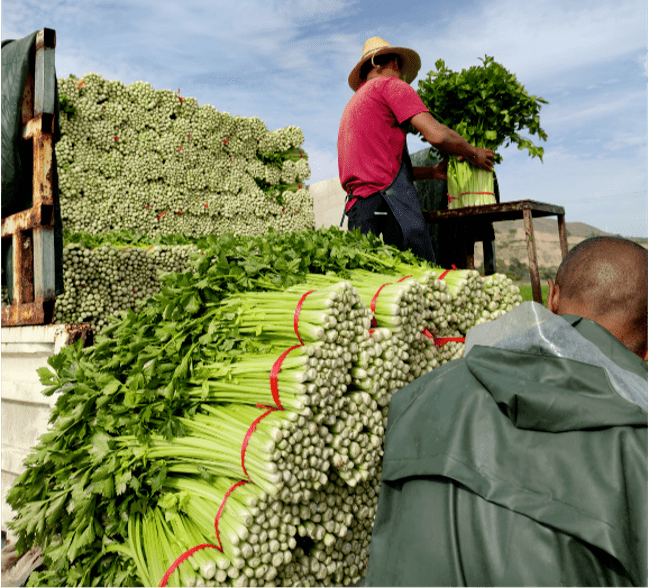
(519, 464)
(16, 158)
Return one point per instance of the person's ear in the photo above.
(645, 355)
(553, 298)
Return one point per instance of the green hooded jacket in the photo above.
(518, 466)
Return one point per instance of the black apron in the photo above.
(400, 206)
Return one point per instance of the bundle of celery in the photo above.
(230, 432)
(502, 293)
(469, 298)
(488, 108)
(185, 169)
(468, 185)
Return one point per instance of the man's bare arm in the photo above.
(449, 141)
(434, 172)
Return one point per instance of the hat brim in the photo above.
(410, 64)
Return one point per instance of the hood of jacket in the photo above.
(540, 420)
(550, 373)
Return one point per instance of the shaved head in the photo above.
(605, 279)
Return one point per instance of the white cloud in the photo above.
(591, 190)
(537, 40)
(642, 60)
(287, 61)
(579, 110)
(308, 9)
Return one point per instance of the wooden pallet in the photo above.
(32, 230)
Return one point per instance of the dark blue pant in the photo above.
(396, 214)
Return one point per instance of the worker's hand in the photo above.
(483, 158)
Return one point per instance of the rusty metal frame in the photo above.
(32, 230)
(526, 209)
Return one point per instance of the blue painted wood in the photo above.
(44, 263)
(44, 77)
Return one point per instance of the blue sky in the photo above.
(287, 62)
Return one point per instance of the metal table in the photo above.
(526, 209)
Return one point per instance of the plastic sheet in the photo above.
(532, 328)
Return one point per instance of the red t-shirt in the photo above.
(371, 140)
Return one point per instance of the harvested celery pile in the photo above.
(231, 431)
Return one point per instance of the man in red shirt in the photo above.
(374, 166)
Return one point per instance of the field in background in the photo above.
(527, 293)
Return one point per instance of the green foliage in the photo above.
(517, 270)
(80, 485)
(546, 273)
(527, 293)
(485, 104)
(67, 106)
(123, 238)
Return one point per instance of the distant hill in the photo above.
(512, 252)
(549, 225)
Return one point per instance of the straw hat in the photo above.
(377, 46)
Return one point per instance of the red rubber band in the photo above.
(250, 431)
(223, 503)
(182, 558)
(490, 193)
(442, 340)
(274, 376)
(373, 304)
(445, 340)
(296, 315)
(277, 366)
(404, 278)
(443, 274)
(218, 547)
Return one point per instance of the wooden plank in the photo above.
(23, 314)
(27, 220)
(23, 269)
(496, 212)
(532, 256)
(44, 263)
(43, 170)
(44, 72)
(39, 125)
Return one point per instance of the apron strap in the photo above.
(348, 197)
(406, 158)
